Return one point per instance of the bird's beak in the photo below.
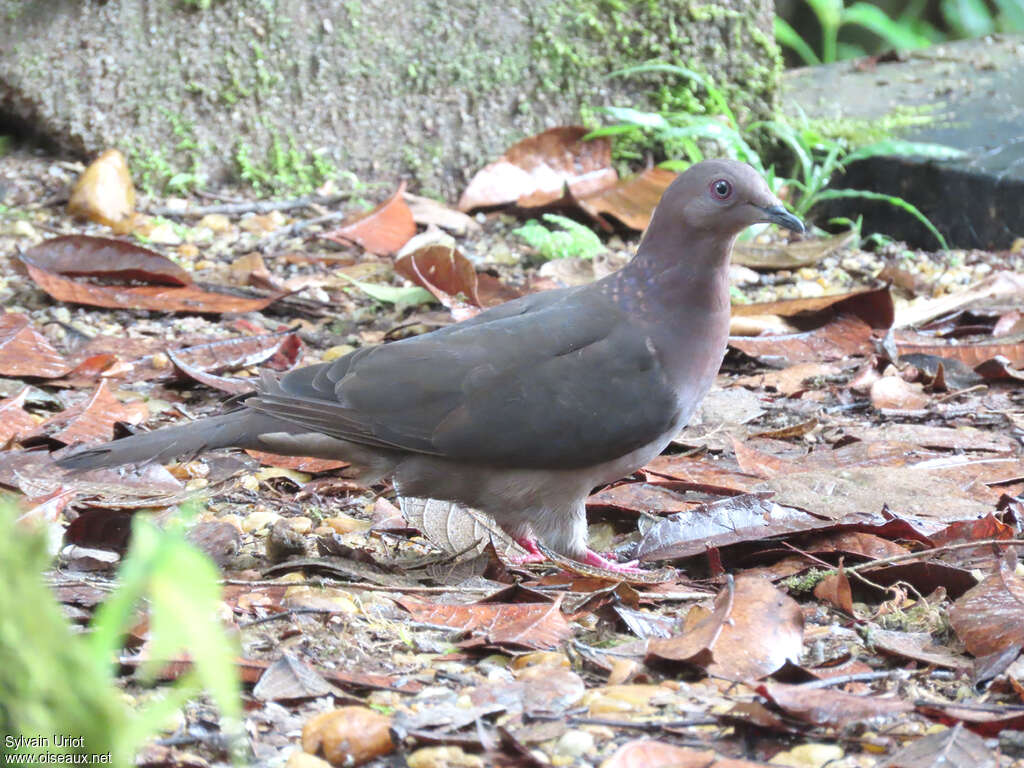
(776, 214)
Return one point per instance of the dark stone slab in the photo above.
(973, 95)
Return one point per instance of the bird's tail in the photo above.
(238, 428)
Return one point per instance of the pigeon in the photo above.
(524, 409)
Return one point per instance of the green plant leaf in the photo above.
(969, 18)
(1011, 15)
(899, 202)
(612, 130)
(900, 148)
(574, 240)
(389, 294)
(789, 37)
(874, 18)
(715, 96)
(636, 117)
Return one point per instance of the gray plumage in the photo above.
(522, 410)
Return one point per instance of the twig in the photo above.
(296, 228)
(254, 206)
(859, 677)
(355, 585)
(924, 552)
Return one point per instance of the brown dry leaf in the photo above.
(231, 386)
(799, 253)
(691, 473)
(104, 192)
(632, 200)
(536, 171)
(15, 421)
(949, 748)
(645, 753)
(639, 498)
(1000, 285)
(919, 646)
(748, 517)
(298, 463)
(289, 678)
(989, 618)
(835, 589)
(382, 231)
(821, 706)
(348, 736)
(447, 274)
(522, 625)
(26, 352)
(972, 354)
(456, 529)
(895, 393)
(753, 630)
(93, 421)
(427, 212)
(845, 336)
(872, 305)
(168, 296)
(106, 257)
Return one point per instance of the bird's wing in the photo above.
(562, 379)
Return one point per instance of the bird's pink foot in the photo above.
(592, 558)
(533, 554)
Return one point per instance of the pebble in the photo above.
(346, 524)
(257, 521)
(810, 289)
(575, 744)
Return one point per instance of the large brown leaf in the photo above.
(14, 419)
(523, 625)
(26, 352)
(384, 230)
(169, 296)
(990, 617)
(821, 706)
(111, 259)
(632, 201)
(873, 305)
(447, 274)
(845, 336)
(536, 171)
(753, 630)
(93, 420)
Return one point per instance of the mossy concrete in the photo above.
(429, 89)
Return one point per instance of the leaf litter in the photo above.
(843, 568)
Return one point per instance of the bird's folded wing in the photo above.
(557, 380)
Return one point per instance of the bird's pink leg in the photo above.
(533, 554)
(592, 558)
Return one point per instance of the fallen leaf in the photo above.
(632, 200)
(872, 305)
(999, 285)
(167, 296)
(835, 589)
(521, 625)
(535, 171)
(447, 274)
(753, 630)
(952, 747)
(989, 618)
(384, 230)
(835, 709)
(792, 255)
(427, 212)
(972, 354)
(843, 337)
(288, 678)
(26, 352)
(106, 257)
(308, 465)
(92, 421)
(14, 419)
(893, 392)
(918, 646)
(104, 192)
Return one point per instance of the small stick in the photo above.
(254, 206)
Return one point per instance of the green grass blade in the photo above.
(899, 148)
(899, 202)
(875, 19)
(789, 37)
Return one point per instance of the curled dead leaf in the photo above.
(384, 230)
(104, 192)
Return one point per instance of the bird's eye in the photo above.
(721, 189)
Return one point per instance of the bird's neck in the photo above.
(676, 272)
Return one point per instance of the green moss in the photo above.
(285, 169)
(861, 132)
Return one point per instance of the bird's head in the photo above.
(724, 197)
